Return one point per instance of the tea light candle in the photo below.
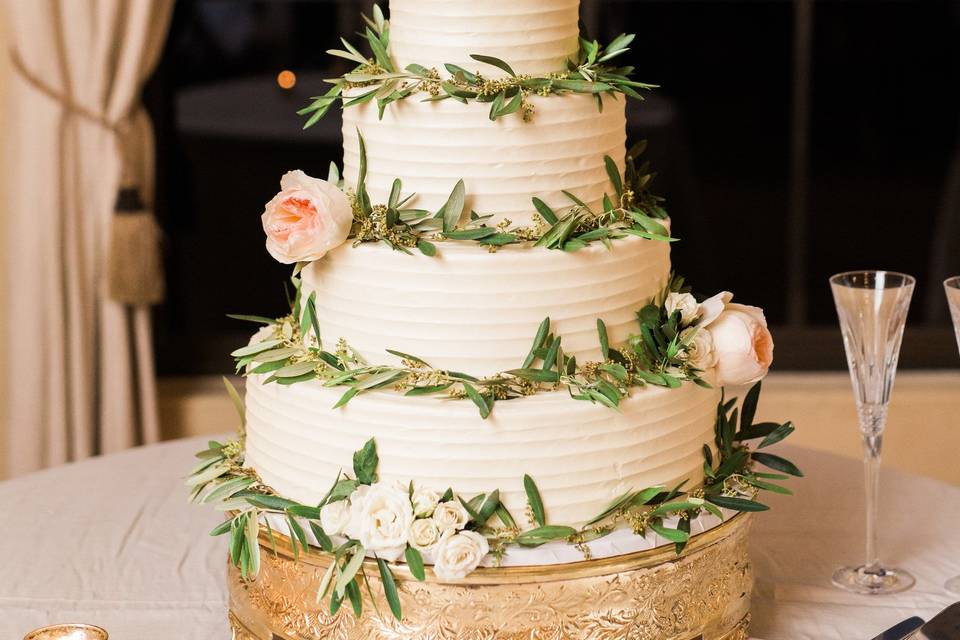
(69, 631)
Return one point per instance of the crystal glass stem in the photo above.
(871, 467)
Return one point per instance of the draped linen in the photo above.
(81, 364)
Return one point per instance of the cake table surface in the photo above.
(112, 541)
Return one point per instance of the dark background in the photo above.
(793, 139)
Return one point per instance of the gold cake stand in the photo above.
(648, 595)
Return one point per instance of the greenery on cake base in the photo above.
(658, 355)
(480, 524)
(632, 211)
(375, 78)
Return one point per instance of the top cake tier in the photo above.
(535, 36)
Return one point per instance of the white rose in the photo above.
(352, 530)
(458, 554)
(384, 514)
(700, 353)
(308, 218)
(335, 517)
(686, 304)
(450, 516)
(424, 501)
(424, 534)
(742, 344)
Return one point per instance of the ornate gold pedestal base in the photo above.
(651, 595)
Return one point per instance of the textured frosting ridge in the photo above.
(432, 145)
(533, 36)
(581, 455)
(468, 310)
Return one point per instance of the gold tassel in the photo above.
(135, 264)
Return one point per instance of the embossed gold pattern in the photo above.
(652, 595)
(238, 631)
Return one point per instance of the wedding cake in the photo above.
(493, 409)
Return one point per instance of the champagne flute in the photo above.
(872, 308)
(952, 288)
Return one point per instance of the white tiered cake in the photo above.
(563, 390)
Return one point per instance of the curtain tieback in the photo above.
(134, 262)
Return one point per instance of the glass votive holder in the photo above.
(68, 631)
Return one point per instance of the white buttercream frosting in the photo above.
(469, 310)
(472, 311)
(432, 145)
(581, 455)
(533, 36)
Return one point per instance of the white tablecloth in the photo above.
(113, 542)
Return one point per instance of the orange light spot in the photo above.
(286, 79)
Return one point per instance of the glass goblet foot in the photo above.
(873, 580)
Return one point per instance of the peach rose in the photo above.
(742, 345)
(712, 307)
(306, 219)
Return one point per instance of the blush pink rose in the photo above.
(308, 218)
(742, 344)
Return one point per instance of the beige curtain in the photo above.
(81, 364)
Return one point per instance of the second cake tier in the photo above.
(503, 164)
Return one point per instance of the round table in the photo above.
(112, 541)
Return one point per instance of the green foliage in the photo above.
(636, 212)
(655, 355)
(661, 347)
(544, 534)
(415, 563)
(390, 588)
(534, 500)
(734, 483)
(365, 463)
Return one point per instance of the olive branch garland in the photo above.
(378, 78)
(633, 211)
(294, 352)
(221, 479)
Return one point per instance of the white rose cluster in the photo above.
(385, 517)
(730, 339)
(457, 551)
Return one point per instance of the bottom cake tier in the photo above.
(581, 455)
(649, 595)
